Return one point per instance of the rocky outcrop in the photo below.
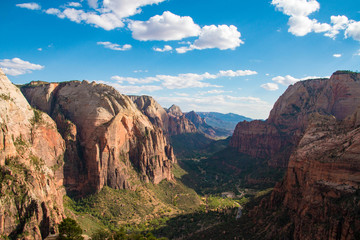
(109, 141)
(178, 123)
(319, 197)
(152, 109)
(172, 121)
(276, 138)
(31, 160)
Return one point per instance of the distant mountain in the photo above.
(224, 121)
(202, 126)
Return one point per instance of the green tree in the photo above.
(69, 229)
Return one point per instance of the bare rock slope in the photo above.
(276, 138)
(172, 121)
(31, 161)
(108, 140)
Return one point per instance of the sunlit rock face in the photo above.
(108, 140)
(277, 137)
(31, 165)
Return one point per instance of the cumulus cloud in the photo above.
(353, 30)
(165, 27)
(114, 46)
(296, 7)
(125, 8)
(222, 37)
(185, 80)
(337, 55)
(300, 24)
(131, 80)
(107, 21)
(166, 48)
(288, 80)
(17, 66)
(74, 4)
(270, 86)
(107, 14)
(188, 80)
(238, 73)
(338, 23)
(31, 6)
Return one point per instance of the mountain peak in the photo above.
(175, 111)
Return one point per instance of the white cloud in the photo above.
(238, 73)
(182, 94)
(337, 55)
(39, 49)
(165, 27)
(287, 80)
(114, 46)
(222, 37)
(353, 30)
(17, 66)
(215, 91)
(31, 6)
(357, 53)
(107, 21)
(124, 8)
(166, 48)
(185, 80)
(134, 80)
(74, 4)
(296, 7)
(300, 24)
(270, 86)
(339, 23)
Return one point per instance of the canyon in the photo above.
(80, 138)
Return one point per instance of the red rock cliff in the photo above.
(320, 195)
(31, 160)
(275, 138)
(108, 139)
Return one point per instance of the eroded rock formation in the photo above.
(276, 138)
(172, 121)
(108, 140)
(31, 161)
(320, 195)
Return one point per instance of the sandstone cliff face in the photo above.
(320, 195)
(178, 123)
(31, 160)
(276, 137)
(172, 122)
(152, 109)
(107, 137)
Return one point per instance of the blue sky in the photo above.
(225, 56)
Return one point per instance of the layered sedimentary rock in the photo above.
(108, 140)
(276, 138)
(31, 161)
(178, 123)
(320, 195)
(172, 121)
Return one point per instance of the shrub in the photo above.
(69, 229)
